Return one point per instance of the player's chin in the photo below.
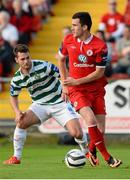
(27, 66)
(75, 35)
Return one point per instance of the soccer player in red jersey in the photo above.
(85, 81)
(112, 22)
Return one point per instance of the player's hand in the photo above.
(71, 82)
(19, 116)
(65, 93)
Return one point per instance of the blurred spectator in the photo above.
(27, 8)
(101, 35)
(6, 62)
(123, 53)
(127, 13)
(65, 31)
(35, 14)
(6, 57)
(112, 23)
(9, 32)
(6, 5)
(42, 7)
(108, 71)
(22, 21)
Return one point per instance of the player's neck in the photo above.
(26, 71)
(85, 36)
(111, 11)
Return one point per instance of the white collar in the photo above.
(87, 41)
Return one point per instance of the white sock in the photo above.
(19, 139)
(83, 143)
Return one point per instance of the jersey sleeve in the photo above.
(63, 48)
(15, 89)
(52, 70)
(102, 56)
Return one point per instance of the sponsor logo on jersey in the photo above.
(89, 52)
(37, 76)
(83, 65)
(34, 86)
(82, 58)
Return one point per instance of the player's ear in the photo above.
(85, 27)
(16, 59)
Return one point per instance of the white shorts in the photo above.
(62, 112)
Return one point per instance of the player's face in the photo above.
(77, 29)
(24, 60)
(112, 7)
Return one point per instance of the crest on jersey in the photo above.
(82, 58)
(89, 52)
(36, 76)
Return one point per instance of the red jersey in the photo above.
(111, 21)
(84, 57)
(22, 23)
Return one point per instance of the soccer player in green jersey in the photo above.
(41, 79)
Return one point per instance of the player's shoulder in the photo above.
(17, 73)
(68, 38)
(39, 63)
(16, 77)
(105, 16)
(98, 41)
(119, 15)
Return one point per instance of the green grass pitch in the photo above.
(45, 161)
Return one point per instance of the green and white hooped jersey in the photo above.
(42, 83)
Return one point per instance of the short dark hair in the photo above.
(20, 48)
(85, 18)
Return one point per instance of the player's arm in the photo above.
(98, 73)
(62, 54)
(63, 75)
(14, 92)
(15, 105)
(62, 67)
